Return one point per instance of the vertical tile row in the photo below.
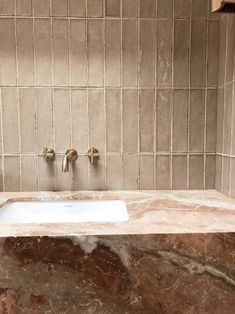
(225, 165)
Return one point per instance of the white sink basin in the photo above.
(49, 212)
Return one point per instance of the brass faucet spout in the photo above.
(71, 155)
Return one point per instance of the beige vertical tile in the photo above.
(218, 173)
(164, 8)
(7, 52)
(25, 51)
(45, 132)
(1, 174)
(43, 53)
(10, 120)
(213, 53)
(227, 123)
(97, 176)
(59, 7)
(46, 179)
(64, 181)
(163, 179)
(95, 53)
(41, 7)
(62, 120)
(112, 8)
(129, 45)
(29, 173)
(232, 190)
(60, 52)
(78, 54)
(220, 119)
(79, 120)
(95, 8)
(210, 171)
(112, 52)
(233, 123)
(163, 132)
(77, 8)
(130, 172)
(146, 172)
(182, 9)
(196, 172)
(147, 53)
(24, 7)
(147, 120)
(164, 53)
(147, 8)
(130, 121)
(129, 8)
(113, 120)
(96, 119)
(222, 51)
(179, 172)
(230, 49)
(180, 120)
(197, 121)
(80, 174)
(181, 53)
(226, 174)
(7, 7)
(114, 172)
(199, 9)
(198, 53)
(211, 120)
(27, 120)
(1, 128)
(12, 173)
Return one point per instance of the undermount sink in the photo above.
(52, 212)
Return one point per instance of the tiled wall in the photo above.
(135, 79)
(225, 180)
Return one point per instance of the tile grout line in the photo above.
(104, 95)
(121, 92)
(35, 99)
(224, 81)
(138, 95)
(189, 96)
(155, 97)
(206, 104)
(87, 97)
(18, 102)
(52, 94)
(71, 174)
(172, 95)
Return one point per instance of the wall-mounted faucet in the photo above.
(71, 155)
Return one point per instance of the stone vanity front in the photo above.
(175, 255)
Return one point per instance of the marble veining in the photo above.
(137, 274)
(150, 212)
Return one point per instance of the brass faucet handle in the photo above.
(48, 154)
(93, 154)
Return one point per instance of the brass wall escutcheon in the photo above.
(94, 155)
(48, 154)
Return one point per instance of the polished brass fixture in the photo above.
(93, 154)
(71, 155)
(48, 154)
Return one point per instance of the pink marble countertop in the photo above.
(150, 212)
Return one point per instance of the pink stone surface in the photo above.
(150, 212)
